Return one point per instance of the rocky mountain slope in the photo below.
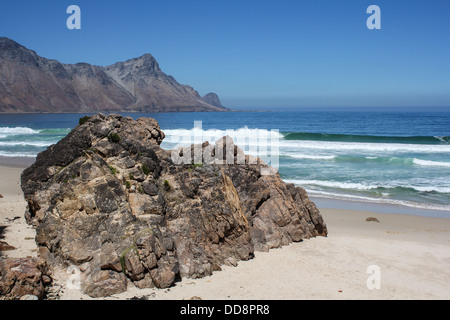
(30, 83)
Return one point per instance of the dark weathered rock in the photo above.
(123, 211)
(102, 283)
(20, 277)
(4, 246)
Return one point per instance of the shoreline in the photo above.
(383, 208)
(17, 162)
(322, 202)
(411, 251)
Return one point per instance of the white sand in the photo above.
(411, 252)
(12, 208)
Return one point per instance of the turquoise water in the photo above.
(374, 157)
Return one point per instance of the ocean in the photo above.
(400, 159)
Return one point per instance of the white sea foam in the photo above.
(430, 189)
(215, 134)
(252, 135)
(363, 187)
(15, 154)
(7, 131)
(429, 163)
(333, 184)
(364, 147)
(25, 143)
(308, 156)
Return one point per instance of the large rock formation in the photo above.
(212, 99)
(30, 83)
(109, 200)
(21, 277)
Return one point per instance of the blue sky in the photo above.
(258, 53)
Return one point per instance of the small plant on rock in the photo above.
(167, 185)
(114, 137)
(83, 120)
(145, 169)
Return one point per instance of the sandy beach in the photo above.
(409, 254)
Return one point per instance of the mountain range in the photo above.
(30, 83)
